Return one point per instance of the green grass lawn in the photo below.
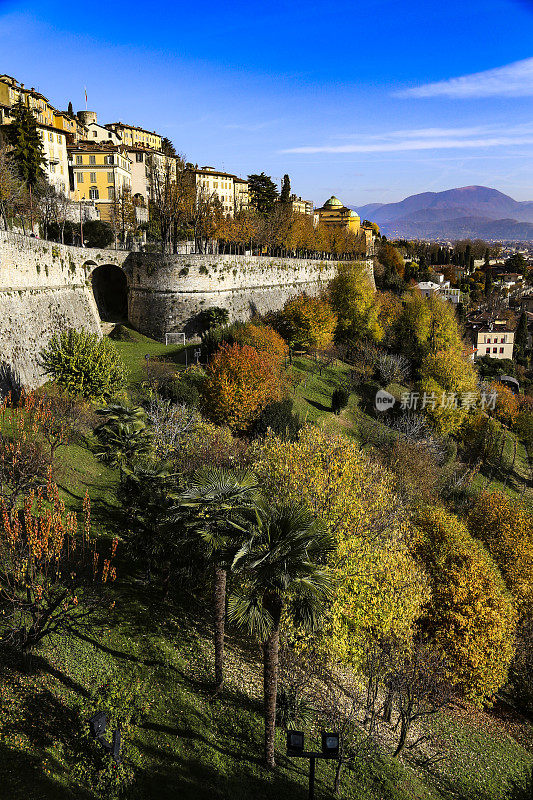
(133, 347)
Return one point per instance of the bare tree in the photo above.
(393, 367)
(122, 215)
(169, 191)
(47, 207)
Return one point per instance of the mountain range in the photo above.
(467, 212)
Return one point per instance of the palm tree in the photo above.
(222, 508)
(282, 566)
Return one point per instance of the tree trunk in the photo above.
(404, 730)
(270, 681)
(387, 706)
(219, 620)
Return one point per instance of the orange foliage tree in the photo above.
(506, 529)
(264, 339)
(507, 404)
(240, 382)
(308, 321)
(44, 563)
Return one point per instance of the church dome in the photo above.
(333, 202)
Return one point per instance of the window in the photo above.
(110, 178)
(58, 137)
(501, 349)
(93, 193)
(51, 137)
(92, 177)
(95, 134)
(487, 350)
(108, 159)
(52, 167)
(110, 192)
(139, 156)
(494, 349)
(92, 159)
(79, 159)
(488, 340)
(80, 177)
(503, 339)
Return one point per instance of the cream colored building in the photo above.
(99, 172)
(133, 136)
(147, 167)
(95, 132)
(55, 153)
(495, 340)
(241, 199)
(300, 206)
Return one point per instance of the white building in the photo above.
(55, 152)
(442, 288)
(495, 340)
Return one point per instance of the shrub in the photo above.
(339, 399)
(239, 383)
(471, 615)
(507, 404)
(180, 391)
(307, 322)
(279, 419)
(84, 365)
(213, 338)
(97, 233)
(93, 768)
(212, 317)
(353, 299)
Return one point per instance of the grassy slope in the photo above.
(193, 746)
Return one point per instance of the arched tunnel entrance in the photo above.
(110, 289)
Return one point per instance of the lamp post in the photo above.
(330, 750)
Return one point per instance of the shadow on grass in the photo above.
(22, 777)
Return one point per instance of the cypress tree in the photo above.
(27, 146)
(521, 336)
(27, 150)
(285, 189)
(70, 109)
(488, 282)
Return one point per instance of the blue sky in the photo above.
(371, 101)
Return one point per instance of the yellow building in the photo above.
(299, 206)
(135, 137)
(51, 126)
(99, 172)
(334, 213)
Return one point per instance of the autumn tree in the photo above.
(356, 500)
(390, 257)
(507, 406)
(448, 388)
(239, 383)
(471, 616)
(307, 321)
(506, 529)
(44, 562)
(353, 300)
(264, 339)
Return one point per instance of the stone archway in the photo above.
(110, 290)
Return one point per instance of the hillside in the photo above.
(470, 211)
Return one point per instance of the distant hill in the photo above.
(471, 211)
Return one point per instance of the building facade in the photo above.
(132, 136)
(334, 214)
(299, 206)
(495, 340)
(220, 185)
(99, 172)
(241, 198)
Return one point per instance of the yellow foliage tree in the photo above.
(448, 382)
(353, 299)
(506, 529)
(471, 615)
(264, 339)
(379, 586)
(308, 321)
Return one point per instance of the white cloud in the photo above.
(428, 139)
(512, 80)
